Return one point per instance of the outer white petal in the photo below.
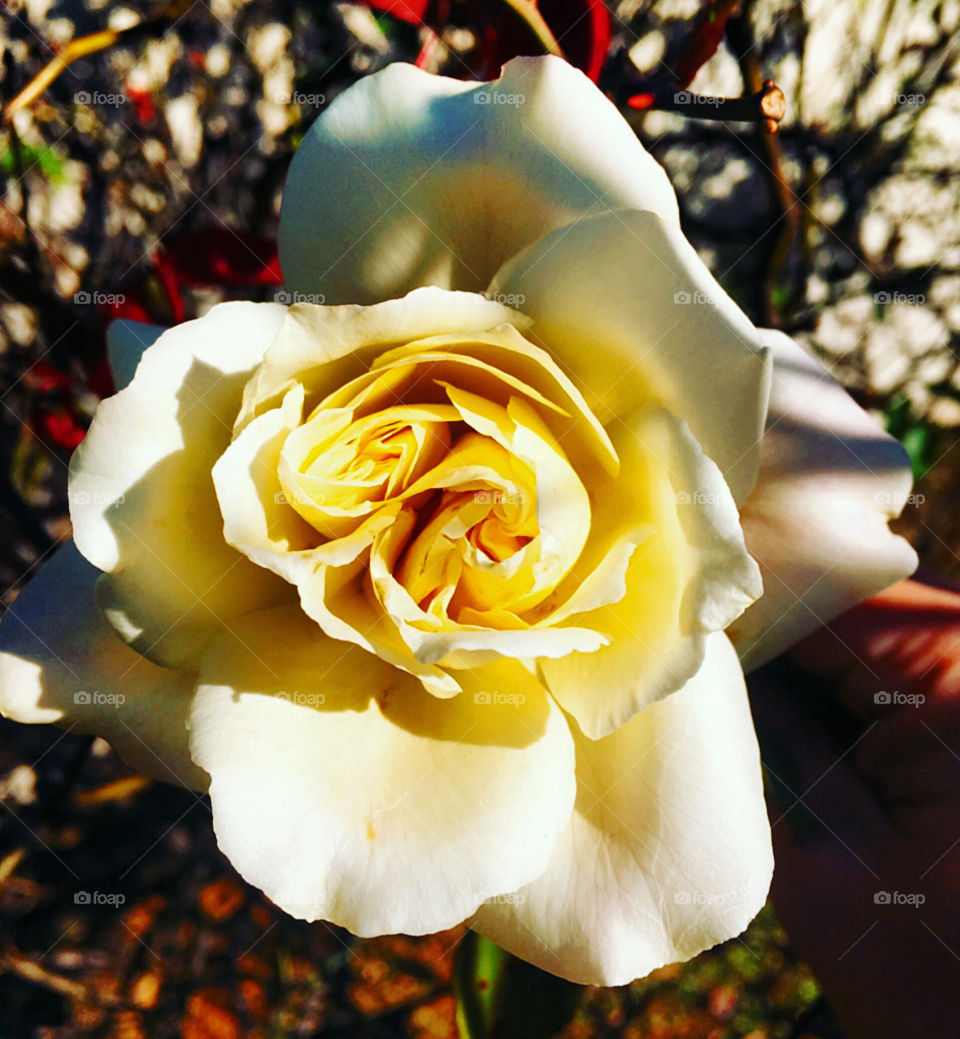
(348, 793)
(629, 310)
(61, 662)
(141, 494)
(668, 851)
(410, 179)
(830, 480)
(690, 576)
(126, 343)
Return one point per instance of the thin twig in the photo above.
(766, 104)
(527, 10)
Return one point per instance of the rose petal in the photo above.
(668, 850)
(324, 347)
(259, 522)
(424, 184)
(141, 496)
(691, 576)
(61, 662)
(347, 793)
(629, 310)
(830, 480)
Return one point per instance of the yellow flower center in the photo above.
(448, 467)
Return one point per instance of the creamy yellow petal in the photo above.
(324, 347)
(61, 662)
(348, 794)
(425, 184)
(668, 851)
(830, 480)
(141, 498)
(629, 310)
(690, 577)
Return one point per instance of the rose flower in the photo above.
(442, 575)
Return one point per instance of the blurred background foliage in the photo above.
(145, 181)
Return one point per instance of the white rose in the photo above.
(438, 591)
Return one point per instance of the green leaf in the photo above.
(915, 434)
(50, 165)
(501, 997)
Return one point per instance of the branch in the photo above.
(766, 105)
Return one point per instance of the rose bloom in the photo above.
(442, 578)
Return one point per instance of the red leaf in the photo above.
(582, 28)
(45, 378)
(56, 425)
(413, 11)
(220, 256)
(706, 39)
(143, 104)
